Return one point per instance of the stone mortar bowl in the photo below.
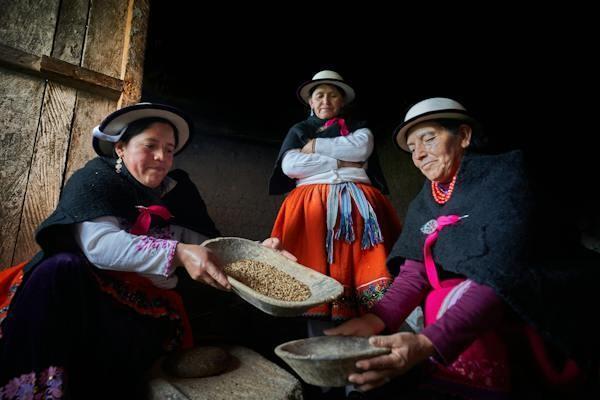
(327, 360)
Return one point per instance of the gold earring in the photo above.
(119, 165)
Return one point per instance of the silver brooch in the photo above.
(429, 227)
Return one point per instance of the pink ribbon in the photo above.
(439, 224)
(342, 124)
(142, 223)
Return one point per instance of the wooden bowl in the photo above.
(323, 288)
(327, 360)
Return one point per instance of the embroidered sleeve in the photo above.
(355, 147)
(298, 165)
(108, 246)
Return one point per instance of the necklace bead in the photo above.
(440, 195)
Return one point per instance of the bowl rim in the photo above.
(372, 352)
(311, 301)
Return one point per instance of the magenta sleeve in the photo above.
(476, 311)
(406, 292)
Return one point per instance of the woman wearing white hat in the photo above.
(91, 312)
(465, 253)
(335, 218)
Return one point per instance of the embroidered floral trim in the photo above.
(353, 302)
(168, 270)
(143, 303)
(370, 293)
(484, 373)
(152, 245)
(47, 384)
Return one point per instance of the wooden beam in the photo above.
(19, 60)
(82, 78)
(62, 72)
(132, 68)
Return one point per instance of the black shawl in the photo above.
(300, 134)
(96, 190)
(493, 246)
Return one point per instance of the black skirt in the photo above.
(73, 331)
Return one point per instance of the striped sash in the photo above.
(339, 201)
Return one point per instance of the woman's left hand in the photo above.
(407, 350)
(275, 244)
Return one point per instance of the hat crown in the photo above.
(114, 125)
(432, 105)
(323, 77)
(327, 74)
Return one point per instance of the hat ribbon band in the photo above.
(98, 134)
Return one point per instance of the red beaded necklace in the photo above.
(440, 195)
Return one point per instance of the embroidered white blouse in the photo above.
(322, 167)
(107, 243)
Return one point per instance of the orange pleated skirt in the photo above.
(301, 225)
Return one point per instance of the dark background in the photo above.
(525, 75)
(516, 72)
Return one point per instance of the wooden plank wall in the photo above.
(45, 126)
(21, 99)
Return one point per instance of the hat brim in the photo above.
(399, 135)
(306, 87)
(113, 125)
